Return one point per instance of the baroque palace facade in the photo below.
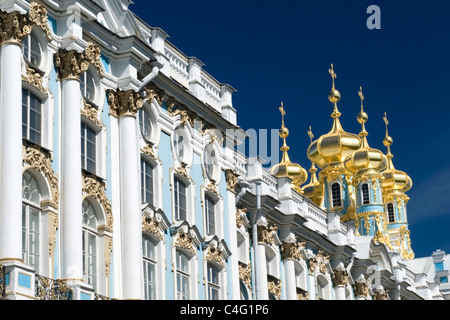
(162, 205)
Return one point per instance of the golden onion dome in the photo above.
(286, 168)
(312, 190)
(335, 146)
(394, 180)
(365, 159)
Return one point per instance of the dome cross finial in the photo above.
(332, 74)
(361, 96)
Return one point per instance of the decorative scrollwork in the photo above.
(49, 289)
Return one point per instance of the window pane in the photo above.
(365, 194)
(31, 117)
(336, 194)
(146, 182)
(210, 217)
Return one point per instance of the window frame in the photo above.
(339, 200)
(26, 112)
(365, 194)
(27, 206)
(150, 283)
(27, 50)
(89, 232)
(183, 275)
(390, 214)
(211, 211)
(84, 146)
(177, 181)
(145, 191)
(213, 287)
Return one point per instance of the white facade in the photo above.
(160, 206)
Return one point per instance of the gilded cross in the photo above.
(283, 113)
(361, 96)
(310, 134)
(386, 122)
(332, 74)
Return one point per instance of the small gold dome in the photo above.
(286, 168)
(394, 180)
(334, 147)
(365, 159)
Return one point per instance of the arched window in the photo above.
(145, 123)
(336, 194)
(213, 282)
(147, 192)
(32, 50)
(391, 215)
(149, 261)
(244, 292)
(89, 240)
(87, 86)
(183, 276)
(31, 221)
(365, 193)
(31, 117)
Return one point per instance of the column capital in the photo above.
(71, 63)
(124, 103)
(292, 250)
(14, 27)
(340, 277)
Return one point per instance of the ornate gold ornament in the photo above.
(92, 53)
(274, 287)
(148, 150)
(41, 162)
(245, 274)
(186, 115)
(38, 15)
(381, 294)
(97, 190)
(303, 295)
(34, 78)
(182, 170)
(240, 214)
(292, 251)
(211, 187)
(184, 241)
(215, 255)
(323, 260)
(361, 289)
(90, 112)
(232, 177)
(265, 234)
(14, 27)
(312, 264)
(71, 64)
(149, 224)
(340, 278)
(153, 92)
(124, 103)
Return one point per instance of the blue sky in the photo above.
(281, 51)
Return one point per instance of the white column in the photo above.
(71, 207)
(291, 288)
(340, 292)
(262, 273)
(130, 209)
(11, 152)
